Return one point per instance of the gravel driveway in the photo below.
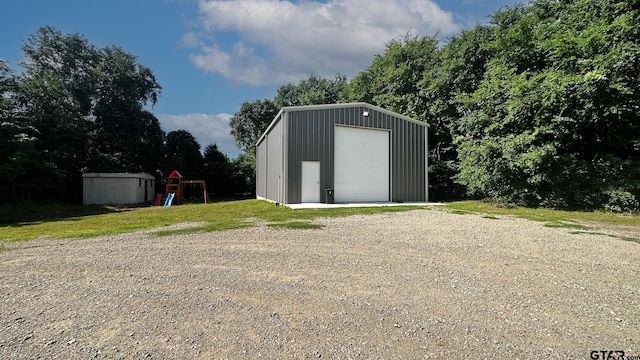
(411, 285)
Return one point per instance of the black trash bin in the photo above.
(329, 195)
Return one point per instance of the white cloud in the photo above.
(191, 40)
(206, 128)
(282, 41)
(241, 64)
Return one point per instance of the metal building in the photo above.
(117, 188)
(361, 152)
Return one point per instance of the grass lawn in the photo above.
(89, 221)
(553, 218)
(579, 221)
(59, 221)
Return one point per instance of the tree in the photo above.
(7, 91)
(9, 129)
(218, 172)
(460, 68)
(248, 124)
(244, 174)
(555, 121)
(392, 80)
(84, 109)
(127, 137)
(56, 97)
(312, 91)
(148, 150)
(183, 154)
(22, 165)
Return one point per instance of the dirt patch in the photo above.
(419, 284)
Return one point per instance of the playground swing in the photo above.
(175, 188)
(191, 189)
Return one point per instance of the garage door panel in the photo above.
(361, 164)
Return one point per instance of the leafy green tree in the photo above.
(312, 91)
(183, 154)
(460, 69)
(555, 121)
(23, 167)
(140, 150)
(7, 91)
(359, 89)
(392, 80)
(127, 137)
(84, 109)
(244, 174)
(149, 148)
(218, 172)
(9, 130)
(248, 124)
(56, 97)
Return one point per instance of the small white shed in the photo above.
(117, 188)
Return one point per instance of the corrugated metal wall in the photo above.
(269, 166)
(261, 169)
(310, 138)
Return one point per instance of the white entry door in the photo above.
(361, 164)
(310, 182)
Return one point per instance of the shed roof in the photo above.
(337, 106)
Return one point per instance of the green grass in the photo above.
(296, 225)
(553, 218)
(71, 222)
(19, 223)
(625, 238)
(566, 225)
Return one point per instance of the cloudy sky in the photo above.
(210, 56)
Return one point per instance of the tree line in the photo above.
(76, 108)
(540, 107)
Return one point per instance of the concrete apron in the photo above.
(363, 204)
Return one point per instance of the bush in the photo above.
(621, 201)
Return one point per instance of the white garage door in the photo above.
(361, 171)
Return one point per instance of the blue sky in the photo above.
(210, 56)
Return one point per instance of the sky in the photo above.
(210, 56)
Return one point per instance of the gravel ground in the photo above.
(411, 285)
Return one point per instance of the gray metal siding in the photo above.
(408, 162)
(310, 137)
(306, 131)
(269, 156)
(274, 160)
(261, 169)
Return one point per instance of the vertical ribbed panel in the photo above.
(308, 135)
(408, 161)
(274, 159)
(261, 169)
(269, 167)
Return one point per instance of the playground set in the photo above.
(175, 189)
